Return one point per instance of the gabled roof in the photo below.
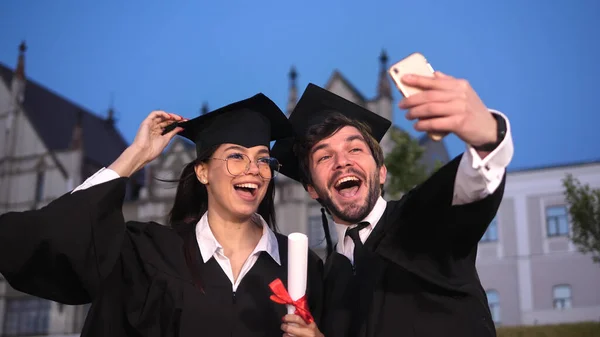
(54, 117)
(337, 75)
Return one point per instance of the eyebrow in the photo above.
(239, 148)
(348, 140)
(234, 147)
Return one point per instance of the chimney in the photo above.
(204, 109)
(383, 85)
(77, 136)
(18, 81)
(110, 118)
(293, 91)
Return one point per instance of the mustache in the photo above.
(336, 176)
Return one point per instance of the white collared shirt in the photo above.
(209, 246)
(345, 245)
(476, 178)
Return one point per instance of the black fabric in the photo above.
(421, 278)
(251, 122)
(78, 249)
(314, 106)
(353, 233)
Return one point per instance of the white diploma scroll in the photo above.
(297, 267)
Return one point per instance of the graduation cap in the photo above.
(315, 105)
(250, 122)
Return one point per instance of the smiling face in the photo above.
(232, 191)
(345, 176)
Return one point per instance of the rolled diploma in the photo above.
(297, 267)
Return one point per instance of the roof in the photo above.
(337, 75)
(555, 166)
(53, 117)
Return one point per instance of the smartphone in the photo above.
(416, 64)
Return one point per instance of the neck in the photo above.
(340, 221)
(234, 234)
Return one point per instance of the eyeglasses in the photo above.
(239, 163)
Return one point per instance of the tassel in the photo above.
(326, 231)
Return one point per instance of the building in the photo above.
(532, 272)
(48, 146)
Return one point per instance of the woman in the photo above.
(207, 274)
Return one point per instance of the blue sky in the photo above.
(537, 61)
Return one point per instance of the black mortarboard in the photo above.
(250, 122)
(313, 107)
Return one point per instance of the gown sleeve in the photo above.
(63, 251)
(442, 224)
(315, 286)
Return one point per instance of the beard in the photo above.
(354, 212)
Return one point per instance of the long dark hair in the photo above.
(191, 202)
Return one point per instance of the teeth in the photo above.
(249, 185)
(343, 180)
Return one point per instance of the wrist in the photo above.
(129, 162)
(494, 135)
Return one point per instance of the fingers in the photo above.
(431, 110)
(292, 318)
(159, 116)
(173, 132)
(439, 81)
(296, 326)
(441, 75)
(438, 125)
(298, 331)
(427, 97)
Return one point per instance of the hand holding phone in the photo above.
(415, 64)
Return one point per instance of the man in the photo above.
(406, 267)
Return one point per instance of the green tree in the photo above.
(403, 163)
(584, 208)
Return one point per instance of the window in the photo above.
(562, 296)
(494, 304)
(39, 187)
(80, 316)
(491, 234)
(557, 221)
(315, 231)
(26, 316)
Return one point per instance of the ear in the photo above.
(202, 173)
(312, 192)
(382, 174)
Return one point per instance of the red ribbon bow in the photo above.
(281, 296)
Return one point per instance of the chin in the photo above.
(243, 212)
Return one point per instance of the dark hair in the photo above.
(316, 133)
(191, 198)
(191, 202)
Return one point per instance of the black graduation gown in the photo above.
(419, 278)
(78, 249)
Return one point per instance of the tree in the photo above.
(584, 208)
(403, 163)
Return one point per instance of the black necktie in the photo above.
(358, 245)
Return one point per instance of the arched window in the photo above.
(494, 304)
(491, 234)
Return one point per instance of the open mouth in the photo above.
(348, 186)
(246, 190)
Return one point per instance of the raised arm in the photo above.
(461, 198)
(64, 250)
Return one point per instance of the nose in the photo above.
(253, 168)
(342, 161)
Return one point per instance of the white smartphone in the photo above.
(416, 64)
